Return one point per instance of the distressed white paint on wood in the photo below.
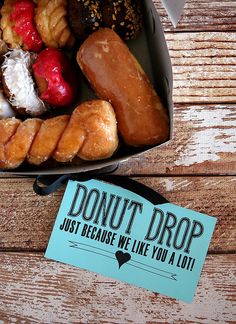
(216, 134)
(204, 66)
(177, 184)
(35, 290)
(40, 290)
(204, 142)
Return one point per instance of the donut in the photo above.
(84, 16)
(6, 110)
(19, 85)
(52, 25)
(117, 77)
(123, 16)
(90, 133)
(18, 25)
(3, 48)
(55, 77)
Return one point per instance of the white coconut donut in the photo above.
(6, 110)
(20, 84)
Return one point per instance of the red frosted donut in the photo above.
(55, 77)
(23, 18)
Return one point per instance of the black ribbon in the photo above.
(53, 183)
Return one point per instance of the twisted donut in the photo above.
(89, 133)
(51, 23)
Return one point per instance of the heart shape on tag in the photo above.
(122, 257)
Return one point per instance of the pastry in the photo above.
(6, 110)
(18, 26)
(51, 23)
(8, 128)
(19, 85)
(117, 77)
(47, 138)
(3, 48)
(90, 133)
(55, 77)
(15, 150)
(123, 16)
(84, 16)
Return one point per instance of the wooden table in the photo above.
(197, 170)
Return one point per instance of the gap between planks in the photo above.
(30, 218)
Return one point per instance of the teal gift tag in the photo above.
(118, 233)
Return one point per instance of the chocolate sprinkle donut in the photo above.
(123, 16)
(84, 16)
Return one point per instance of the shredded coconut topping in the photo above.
(6, 110)
(16, 71)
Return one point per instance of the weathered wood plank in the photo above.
(202, 15)
(27, 219)
(204, 66)
(34, 289)
(204, 142)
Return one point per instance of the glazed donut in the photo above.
(16, 148)
(51, 23)
(84, 16)
(55, 77)
(19, 85)
(90, 133)
(18, 26)
(117, 77)
(8, 128)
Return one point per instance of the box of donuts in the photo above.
(85, 84)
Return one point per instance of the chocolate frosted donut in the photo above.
(123, 16)
(84, 16)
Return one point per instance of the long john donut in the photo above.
(89, 133)
(117, 77)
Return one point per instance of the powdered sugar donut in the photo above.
(19, 85)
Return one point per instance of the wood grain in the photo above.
(204, 66)
(204, 142)
(38, 290)
(28, 219)
(202, 15)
